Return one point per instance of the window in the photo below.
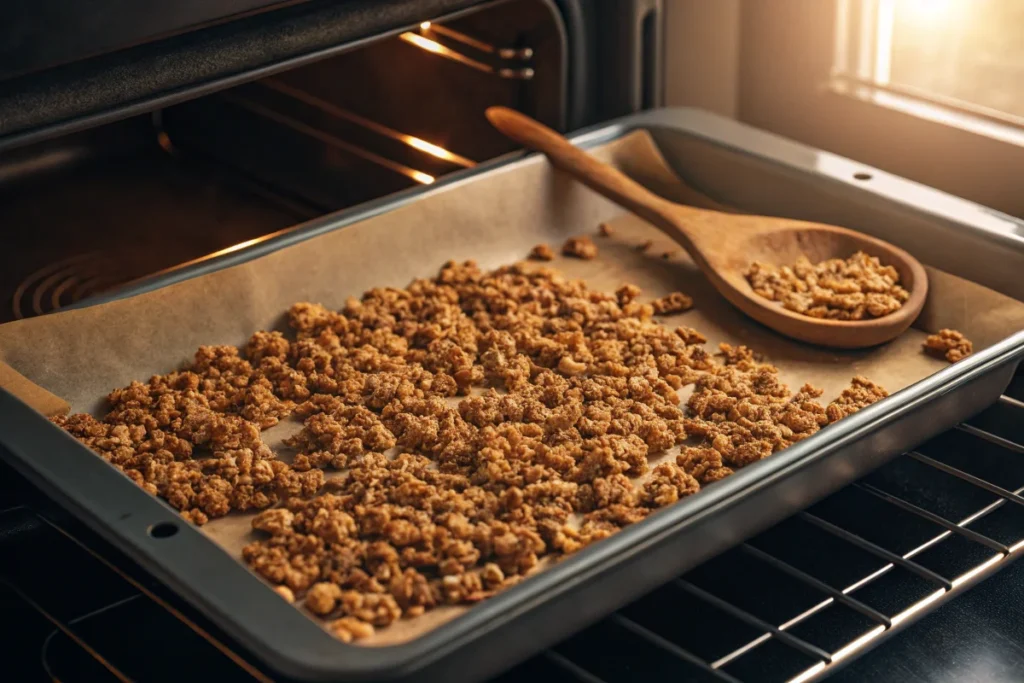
(970, 52)
(929, 89)
(958, 61)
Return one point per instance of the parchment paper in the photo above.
(75, 358)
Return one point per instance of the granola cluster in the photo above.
(856, 288)
(542, 252)
(580, 247)
(454, 434)
(949, 344)
(577, 247)
(194, 437)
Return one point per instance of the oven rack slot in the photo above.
(503, 62)
(655, 643)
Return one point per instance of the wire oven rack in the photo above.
(792, 604)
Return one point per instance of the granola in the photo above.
(454, 434)
(856, 288)
(949, 344)
(676, 302)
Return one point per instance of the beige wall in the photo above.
(702, 54)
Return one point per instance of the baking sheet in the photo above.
(78, 356)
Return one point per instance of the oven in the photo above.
(225, 134)
(155, 142)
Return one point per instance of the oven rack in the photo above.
(448, 43)
(371, 134)
(408, 158)
(703, 627)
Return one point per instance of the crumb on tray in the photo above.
(580, 247)
(523, 408)
(626, 293)
(949, 344)
(690, 335)
(605, 230)
(542, 252)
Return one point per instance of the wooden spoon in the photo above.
(725, 244)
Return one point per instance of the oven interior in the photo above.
(91, 211)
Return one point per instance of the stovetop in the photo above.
(885, 562)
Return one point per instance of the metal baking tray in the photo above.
(757, 171)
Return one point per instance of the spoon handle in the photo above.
(596, 174)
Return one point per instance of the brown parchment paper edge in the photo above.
(30, 393)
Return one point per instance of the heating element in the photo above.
(792, 604)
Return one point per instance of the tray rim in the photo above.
(223, 588)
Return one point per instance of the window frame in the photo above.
(786, 83)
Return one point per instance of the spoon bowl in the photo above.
(724, 245)
(783, 244)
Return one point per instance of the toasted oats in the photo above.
(856, 288)
(573, 392)
(580, 247)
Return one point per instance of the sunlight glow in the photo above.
(929, 11)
